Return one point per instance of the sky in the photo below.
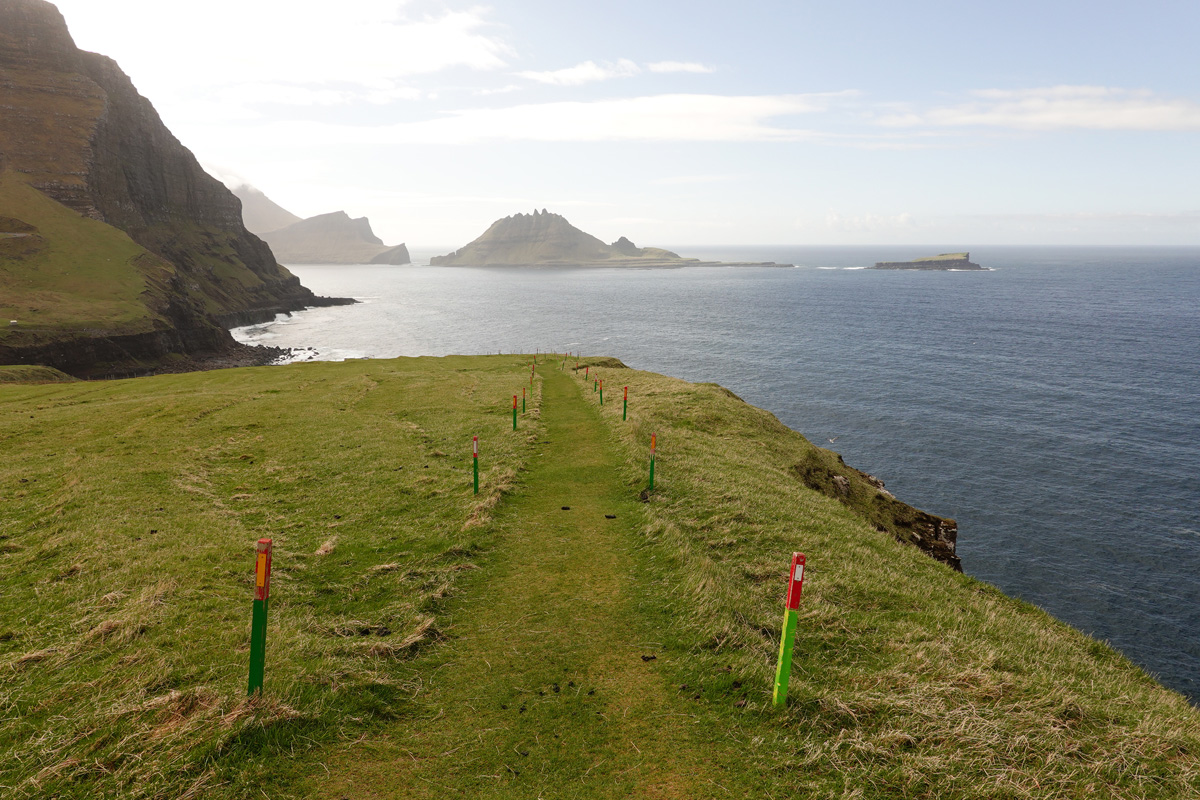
(676, 122)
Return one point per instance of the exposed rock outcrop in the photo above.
(74, 127)
(826, 472)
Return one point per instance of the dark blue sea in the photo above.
(1050, 405)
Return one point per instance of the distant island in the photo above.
(333, 238)
(945, 261)
(544, 239)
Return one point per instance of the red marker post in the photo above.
(514, 412)
(531, 368)
(475, 460)
(258, 625)
(784, 670)
(586, 370)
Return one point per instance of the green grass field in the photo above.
(425, 641)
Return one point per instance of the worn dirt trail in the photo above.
(544, 691)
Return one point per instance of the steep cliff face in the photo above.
(333, 238)
(542, 238)
(74, 127)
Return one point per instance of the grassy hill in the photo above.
(60, 271)
(554, 635)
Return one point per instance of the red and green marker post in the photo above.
(258, 625)
(475, 460)
(625, 408)
(514, 412)
(522, 399)
(784, 670)
(601, 392)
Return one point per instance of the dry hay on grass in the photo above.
(425, 633)
(497, 486)
(327, 547)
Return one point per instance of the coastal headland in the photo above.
(546, 626)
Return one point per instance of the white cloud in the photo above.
(679, 66)
(691, 180)
(867, 223)
(200, 47)
(1059, 108)
(587, 72)
(510, 88)
(677, 117)
(250, 94)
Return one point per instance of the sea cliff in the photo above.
(76, 129)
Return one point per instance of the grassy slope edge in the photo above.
(126, 537)
(910, 680)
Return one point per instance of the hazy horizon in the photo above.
(824, 125)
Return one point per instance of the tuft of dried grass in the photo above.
(327, 548)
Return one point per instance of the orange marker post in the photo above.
(258, 625)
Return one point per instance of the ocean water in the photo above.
(1051, 405)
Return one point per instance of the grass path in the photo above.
(548, 689)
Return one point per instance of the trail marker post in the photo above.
(587, 368)
(625, 408)
(514, 412)
(601, 392)
(531, 366)
(475, 460)
(653, 441)
(784, 670)
(258, 625)
(522, 399)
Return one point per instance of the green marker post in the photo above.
(522, 399)
(601, 392)
(258, 624)
(653, 440)
(625, 408)
(514, 412)
(783, 670)
(475, 460)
